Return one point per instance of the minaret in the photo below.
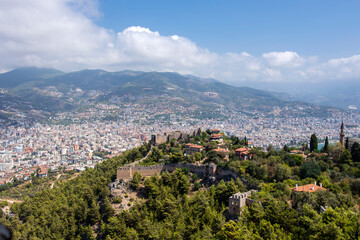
(342, 134)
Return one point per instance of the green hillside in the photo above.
(54, 91)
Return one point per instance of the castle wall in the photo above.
(160, 139)
(177, 135)
(226, 172)
(148, 170)
(201, 170)
(123, 173)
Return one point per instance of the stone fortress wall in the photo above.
(202, 170)
(177, 135)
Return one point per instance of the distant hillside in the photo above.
(23, 75)
(52, 91)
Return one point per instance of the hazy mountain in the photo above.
(343, 94)
(22, 75)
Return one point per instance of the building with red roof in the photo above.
(243, 153)
(193, 148)
(215, 131)
(217, 137)
(308, 188)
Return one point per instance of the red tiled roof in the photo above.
(296, 151)
(308, 188)
(240, 150)
(196, 146)
(221, 150)
(216, 136)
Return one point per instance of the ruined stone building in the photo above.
(158, 139)
(239, 200)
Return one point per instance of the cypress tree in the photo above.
(326, 145)
(347, 143)
(313, 143)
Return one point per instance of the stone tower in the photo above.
(342, 134)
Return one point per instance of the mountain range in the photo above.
(41, 92)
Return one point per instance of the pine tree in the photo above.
(326, 145)
(313, 143)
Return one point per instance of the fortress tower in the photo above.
(342, 134)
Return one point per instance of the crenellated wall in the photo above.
(203, 170)
(157, 139)
(239, 200)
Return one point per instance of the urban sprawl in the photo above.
(26, 148)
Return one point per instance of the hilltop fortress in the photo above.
(210, 171)
(177, 135)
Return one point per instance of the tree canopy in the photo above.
(313, 143)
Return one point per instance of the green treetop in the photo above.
(313, 143)
(326, 145)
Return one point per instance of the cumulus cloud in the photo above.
(49, 33)
(283, 59)
(62, 34)
(140, 46)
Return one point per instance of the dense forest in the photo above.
(180, 205)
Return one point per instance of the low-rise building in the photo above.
(193, 148)
(217, 137)
(243, 153)
(308, 188)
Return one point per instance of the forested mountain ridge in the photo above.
(51, 91)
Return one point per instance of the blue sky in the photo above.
(329, 29)
(238, 42)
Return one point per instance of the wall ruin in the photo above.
(239, 200)
(127, 172)
(177, 135)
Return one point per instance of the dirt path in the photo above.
(139, 161)
(57, 178)
(11, 200)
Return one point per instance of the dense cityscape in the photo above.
(75, 145)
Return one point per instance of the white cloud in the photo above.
(283, 59)
(63, 35)
(140, 46)
(48, 33)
